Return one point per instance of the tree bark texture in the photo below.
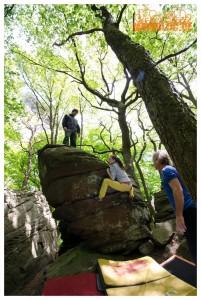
(171, 117)
(126, 144)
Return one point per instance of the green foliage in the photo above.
(151, 176)
(13, 106)
(16, 159)
(31, 31)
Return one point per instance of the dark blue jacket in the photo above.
(70, 123)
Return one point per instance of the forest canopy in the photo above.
(135, 89)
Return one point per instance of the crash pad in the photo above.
(142, 277)
(74, 285)
(181, 268)
(130, 272)
(168, 286)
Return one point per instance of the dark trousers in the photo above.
(190, 218)
(72, 135)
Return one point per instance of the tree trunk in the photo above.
(82, 124)
(148, 197)
(126, 144)
(171, 117)
(30, 155)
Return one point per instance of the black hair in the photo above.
(75, 110)
(117, 159)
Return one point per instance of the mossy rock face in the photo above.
(71, 179)
(164, 210)
(69, 174)
(60, 161)
(114, 225)
(79, 259)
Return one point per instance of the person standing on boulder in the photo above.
(71, 128)
(119, 179)
(180, 199)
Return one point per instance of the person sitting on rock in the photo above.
(119, 179)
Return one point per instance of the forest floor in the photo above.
(160, 254)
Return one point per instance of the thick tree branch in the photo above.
(101, 136)
(103, 77)
(98, 107)
(128, 80)
(141, 125)
(42, 123)
(101, 152)
(48, 68)
(131, 94)
(163, 47)
(133, 100)
(186, 82)
(120, 15)
(36, 93)
(188, 88)
(176, 53)
(76, 34)
(8, 9)
(110, 90)
(111, 102)
(156, 144)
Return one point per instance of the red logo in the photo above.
(128, 268)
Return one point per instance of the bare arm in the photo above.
(179, 203)
(109, 174)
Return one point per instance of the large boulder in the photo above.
(163, 232)
(164, 210)
(111, 226)
(69, 174)
(30, 237)
(70, 180)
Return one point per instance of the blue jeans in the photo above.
(72, 135)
